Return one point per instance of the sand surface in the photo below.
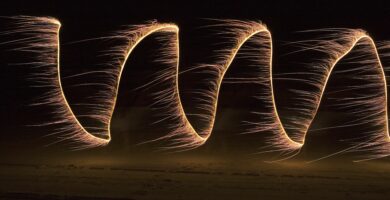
(193, 178)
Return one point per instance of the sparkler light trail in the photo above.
(41, 36)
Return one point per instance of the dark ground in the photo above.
(191, 177)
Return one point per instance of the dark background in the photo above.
(82, 20)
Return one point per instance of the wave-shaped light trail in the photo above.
(43, 37)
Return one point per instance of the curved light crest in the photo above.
(44, 38)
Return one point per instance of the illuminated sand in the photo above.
(190, 178)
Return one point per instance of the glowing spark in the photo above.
(44, 38)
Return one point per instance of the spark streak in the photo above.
(42, 36)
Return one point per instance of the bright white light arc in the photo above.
(185, 136)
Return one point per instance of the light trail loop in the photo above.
(45, 38)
